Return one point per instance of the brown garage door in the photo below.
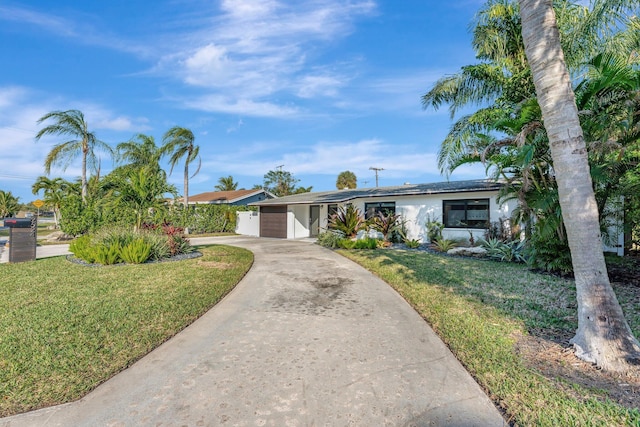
(273, 221)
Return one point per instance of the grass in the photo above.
(480, 309)
(66, 328)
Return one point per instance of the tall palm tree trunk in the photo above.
(603, 336)
(186, 185)
(84, 174)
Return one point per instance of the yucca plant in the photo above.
(136, 252)
(82, 248)
(348, 221)
(412, 243)
(444, 245)
(107, 255)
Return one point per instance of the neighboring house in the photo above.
(463, 207)
(234, 198)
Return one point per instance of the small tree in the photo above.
(282, 183)
(8, 204)
(346, 179)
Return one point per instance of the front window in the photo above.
(372, 209)
(332, 209)
(469, 213)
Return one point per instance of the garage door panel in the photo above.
(273, 221)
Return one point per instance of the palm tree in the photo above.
(178, 143)
(346, 179)
(603, 336)
(55, 192)
(71, 123)
(8, 204)
(226, 184)
(140, 151)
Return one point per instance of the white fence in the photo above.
(248, 223)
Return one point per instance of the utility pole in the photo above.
(376, 170)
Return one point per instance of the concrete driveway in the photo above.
(307, 338)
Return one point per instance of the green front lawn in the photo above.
(66, 328)
(484, 311)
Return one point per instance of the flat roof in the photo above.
(342, 196)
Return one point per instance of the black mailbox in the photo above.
(18, 222)
(22, 238)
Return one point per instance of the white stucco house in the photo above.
(462, 206)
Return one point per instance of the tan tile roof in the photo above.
(221, 196)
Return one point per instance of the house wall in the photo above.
(297, 221)
(416, 210)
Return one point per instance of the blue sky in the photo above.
(319, 86)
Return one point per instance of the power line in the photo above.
(17, 177)
(20, 129)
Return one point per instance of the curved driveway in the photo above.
(307, 338)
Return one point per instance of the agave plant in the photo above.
(348, 221)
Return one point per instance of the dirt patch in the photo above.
(214, 264)
(557, 362)
(550, 354)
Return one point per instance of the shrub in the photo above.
(136, 252)
(179, 245)
(412, 243)
(346, 243)
(82, 248)
(443, 245)
(76, 218)
(512, 251)
(550, 254)
(347, 220)
(159, 246)
(120, 236)
(434, 230)
(107, 255)
(329, 239)
(386, 223)
(366, 243)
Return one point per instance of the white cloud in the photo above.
(255, 49)
(51, 23)
(249, 9)
(329, 158)
(311, 86)
(81, 30)
(222, 104)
